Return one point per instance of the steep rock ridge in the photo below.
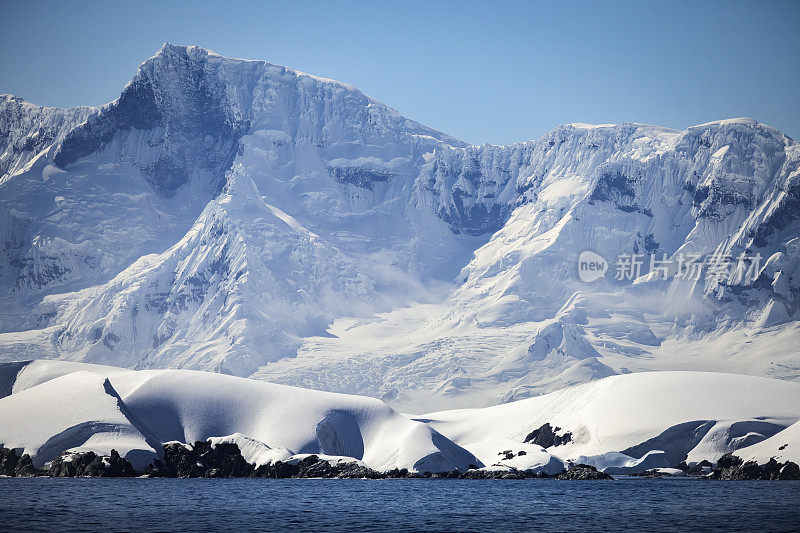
(177, 96)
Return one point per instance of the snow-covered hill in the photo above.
(245, 218)
(56, 406)
(621, 424)
(639, 421)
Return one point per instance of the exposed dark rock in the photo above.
(225, 459)
(157, 469)
(314, 467)
(396, 473)
(698, 469)
(188, 113)
(80, 464)
(13, 465)
(546, 436)
(181, 461)
(359, 176)
(789, 471)
(277, 470)
(25, 467)
(731, 467)
(582, 472)
(656, 473)
(8, 461)
(511, 473)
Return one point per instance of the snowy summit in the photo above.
(242, 218)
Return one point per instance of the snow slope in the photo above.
(520, 321)
(638, 421)
(621, 424)
(245, 218)
(57, 406)
(783, 446)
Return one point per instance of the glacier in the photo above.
(244, 218)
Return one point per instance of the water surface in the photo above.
(627, 504)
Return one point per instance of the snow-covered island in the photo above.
(70, 419)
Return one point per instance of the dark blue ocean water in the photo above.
(669, 505)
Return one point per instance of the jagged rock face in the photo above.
(202, 460)
(13, 465)
(222, 214)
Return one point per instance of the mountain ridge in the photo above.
(456, 262)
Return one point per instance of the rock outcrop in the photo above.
(547, 436)
(13, 465)
(89, 464)
(731, 467)
(583, 472)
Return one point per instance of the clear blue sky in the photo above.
(484, 72)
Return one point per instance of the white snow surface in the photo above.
(634, 422)
(783, 446)
(301, 232)
(621, 424)
(57, 406)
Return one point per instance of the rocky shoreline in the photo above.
(224, 460)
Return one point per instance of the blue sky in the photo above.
(495, 72)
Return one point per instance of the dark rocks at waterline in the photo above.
(656, 473)
(204, 459)
(547, 436)
(314, 467)
(731, 467)
(13, 465)
(181, 461)
(583, 472)
(698, 469)
(511, 473)
(782, 471)
(157, 469)
(89, 464)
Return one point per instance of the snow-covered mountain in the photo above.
(245, 218)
